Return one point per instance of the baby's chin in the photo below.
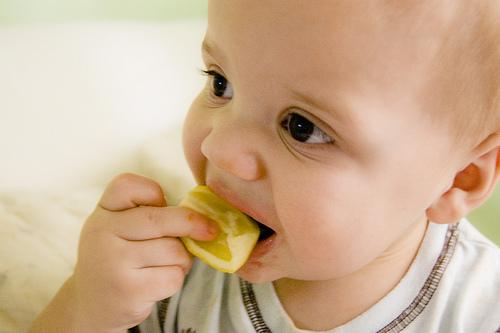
(256, 272)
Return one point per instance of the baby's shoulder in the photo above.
(471, 283)
(476, 253)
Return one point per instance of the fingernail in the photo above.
(212, 229)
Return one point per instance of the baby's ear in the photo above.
(471, 186)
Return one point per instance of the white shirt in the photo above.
(453, 285)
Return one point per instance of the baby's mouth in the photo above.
(265, 231)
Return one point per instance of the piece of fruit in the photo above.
(237, 236)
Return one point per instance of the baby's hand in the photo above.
(129, 254)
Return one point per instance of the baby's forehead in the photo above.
(341, 23)
(329, 36)
(410, 18)
(394, 32)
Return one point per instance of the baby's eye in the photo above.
(303, 130)
(220, 85)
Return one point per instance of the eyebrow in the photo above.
(208, 47)
(336, 109)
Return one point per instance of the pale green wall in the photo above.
(487, 217)
(36, 11)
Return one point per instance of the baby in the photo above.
(360, 133)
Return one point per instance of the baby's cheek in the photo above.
(312, 234)
(196, 128)
(326, 244)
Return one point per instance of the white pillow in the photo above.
(38, 246)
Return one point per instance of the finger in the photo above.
(161, 282)
(145, 222)
(159, 252)
(128, 191)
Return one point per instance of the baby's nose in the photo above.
(233, 149)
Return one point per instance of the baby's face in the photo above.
(312, 123)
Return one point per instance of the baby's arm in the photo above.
(129, 257)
